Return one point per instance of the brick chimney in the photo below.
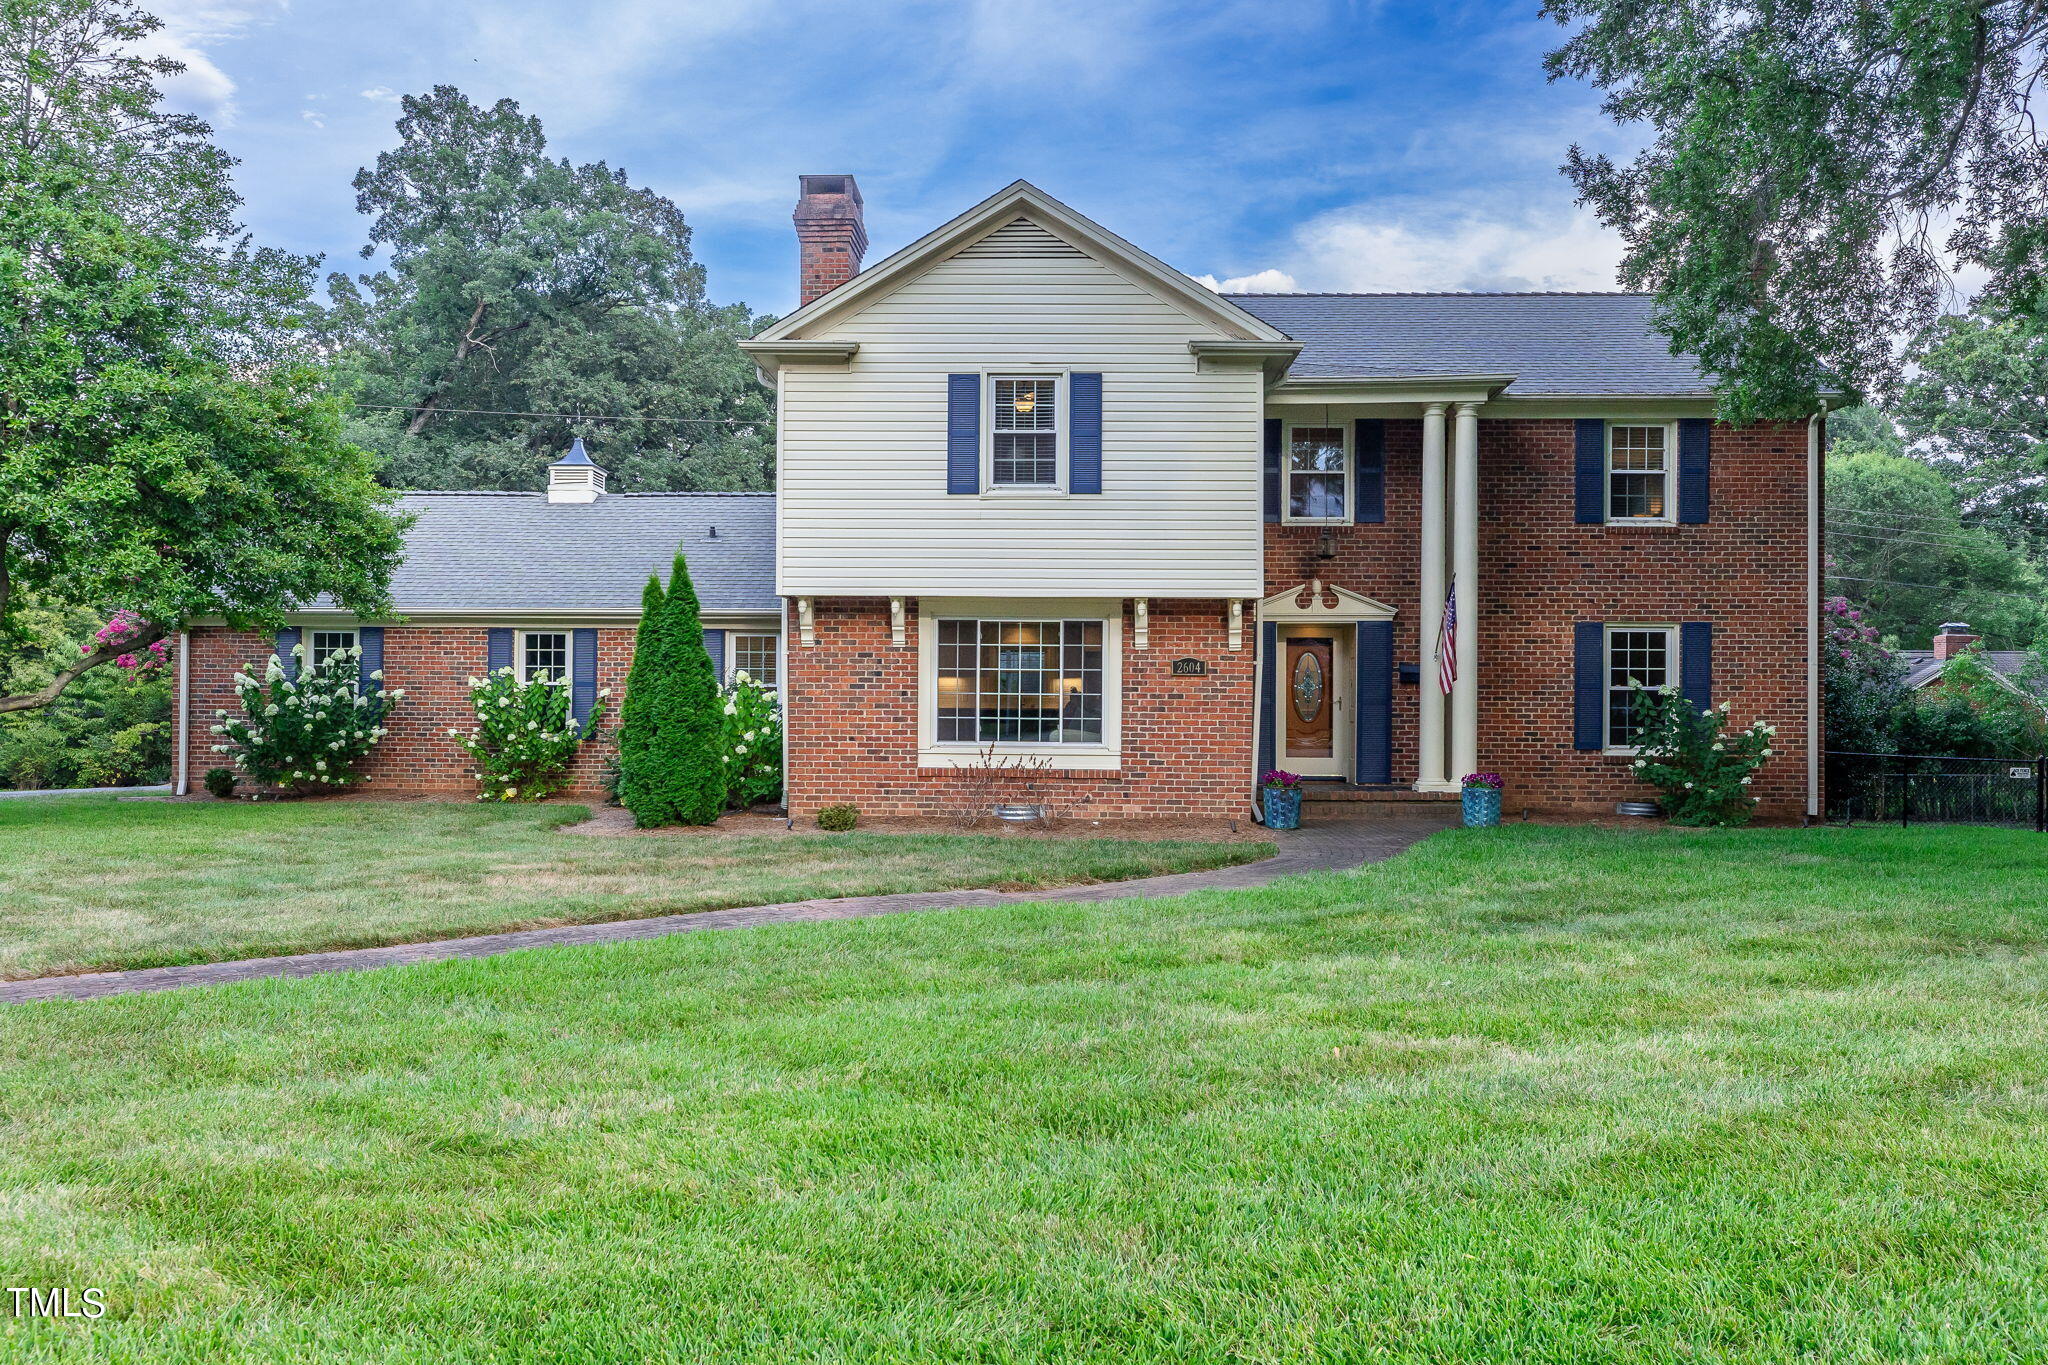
(1953, 638)
(830, 236)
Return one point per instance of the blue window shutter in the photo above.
(1696, 663)
(1084, 433)
(369, 639)
(582, 674)
(1269, 683)
(1369, 458)
(1373, 726)
(1589, 685)
(287, 640)
(1589, 472)
(714, 645)
(1272, 469)
(963, 433)
(497, 648)
(1695, 456)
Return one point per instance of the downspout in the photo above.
(181, 783)
(1816, 434)
(1258, 633)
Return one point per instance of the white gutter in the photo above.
(180, 785)
(1816, 431)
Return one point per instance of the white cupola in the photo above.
(573, 478)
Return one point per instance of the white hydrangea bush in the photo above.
(524, 738)
(307, 733)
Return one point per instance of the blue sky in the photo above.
(1292, 143)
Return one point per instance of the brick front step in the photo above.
(1320, 793)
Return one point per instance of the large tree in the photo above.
(1977, 400)
(1803, 157)
(163, 452)
(522, 284)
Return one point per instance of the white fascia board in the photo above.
(999, 208)
(770, 356)
(1432, 388)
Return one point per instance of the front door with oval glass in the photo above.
(1311, 700)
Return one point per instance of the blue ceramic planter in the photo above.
(1283, 808)
(1482, 807)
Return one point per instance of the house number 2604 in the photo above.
(1190, 668)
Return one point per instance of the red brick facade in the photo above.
(434, 665)
(1187, 742)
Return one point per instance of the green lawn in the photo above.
(97, 882)
(1521, 1095)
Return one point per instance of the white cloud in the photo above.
(190, 29)
(314, 117)
(1258, 282)
(1418, 245)
(380, 94)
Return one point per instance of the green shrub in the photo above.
(112, 727)
(310, 732)
(753, 743)
(839, 818)
(1703, 772)
(671, 727)
(220, 783)
(524, 738)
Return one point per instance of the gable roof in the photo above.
(998, 211)
(1554, 344)
(1923, 668)
(505, 553)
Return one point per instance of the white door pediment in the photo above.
(1320, 601)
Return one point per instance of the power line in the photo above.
(561, 416)
(1934, 587)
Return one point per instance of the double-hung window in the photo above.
(544, 654)
(1026, 427)
(322, 645)
(1645, 656)
(1639, 463)
(1019, 682)
(1318, 474)
(755, 656)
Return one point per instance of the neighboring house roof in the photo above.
(486, 553)
(1551, 343)
(1923, 668)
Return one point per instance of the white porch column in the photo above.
(1465, 569)
(1429, 765)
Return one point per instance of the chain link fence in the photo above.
(1931, 789)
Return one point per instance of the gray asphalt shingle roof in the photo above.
(1923, 668)
(1552, 343)
(519, 552)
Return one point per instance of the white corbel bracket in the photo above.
(1237, 623)
(1141, 624)
(806, 623)
(896, 630)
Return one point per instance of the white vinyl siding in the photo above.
(862, 449)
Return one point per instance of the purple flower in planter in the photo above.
(1491, 781)
(1279, 779)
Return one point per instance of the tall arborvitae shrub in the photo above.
(672, 725)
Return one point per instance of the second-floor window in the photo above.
(1638, 471)
(1024, 432)
(1318, 474)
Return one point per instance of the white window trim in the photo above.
(1670, 517)
(1061, 422)
(355, 638)
(1344, 432)
(1104, 757)
(1672, 675)
(519, 638)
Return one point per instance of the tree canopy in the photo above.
(522, 284)
(1813, 169)
(164, 449)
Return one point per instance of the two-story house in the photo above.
(1045, 504)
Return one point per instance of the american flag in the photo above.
(1447, 642)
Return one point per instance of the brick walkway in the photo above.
(1322, 847)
